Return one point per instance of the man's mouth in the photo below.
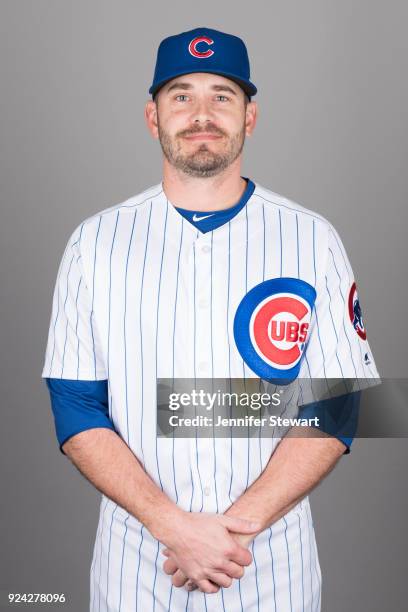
(203, 136)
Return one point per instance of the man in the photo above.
(200, 276)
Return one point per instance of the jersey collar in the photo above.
(205, 221)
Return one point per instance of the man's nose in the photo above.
(201, 112)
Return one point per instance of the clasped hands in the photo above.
(207, 551)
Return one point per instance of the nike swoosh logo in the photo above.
(195, 218)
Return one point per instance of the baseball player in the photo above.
(205, 275)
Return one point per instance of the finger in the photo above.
(170, 567)
(165, 552)
(179, 578)
(239, 525)
(240, 555)
(207, 587)
(191, 585)
(233, 570)
(221, 579)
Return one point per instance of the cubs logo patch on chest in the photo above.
(271, 326)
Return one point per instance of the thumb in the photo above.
(239, 525)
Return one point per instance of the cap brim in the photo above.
(247, 86)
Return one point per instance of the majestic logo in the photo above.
(271, 326)
(356, 316)
(192, 47)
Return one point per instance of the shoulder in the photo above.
(286, 206)
(89, 226)
(327, 243)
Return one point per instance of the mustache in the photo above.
(209, 129)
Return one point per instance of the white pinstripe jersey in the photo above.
(142, 294)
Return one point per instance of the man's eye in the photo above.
(223, 97)
(181, 96)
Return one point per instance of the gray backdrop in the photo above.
(332, 135)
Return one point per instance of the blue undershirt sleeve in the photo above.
(337, 416)
(78, 405)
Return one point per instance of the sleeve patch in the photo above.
(355, 313)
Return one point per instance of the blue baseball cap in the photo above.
(203, 50)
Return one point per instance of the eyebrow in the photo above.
(186, 86)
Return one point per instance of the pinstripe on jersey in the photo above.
(141, 293)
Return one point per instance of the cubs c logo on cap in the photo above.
(355, 314)
(271, 326)
(192, 47)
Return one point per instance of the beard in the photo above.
(202, 162)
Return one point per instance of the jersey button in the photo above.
(203, 303)
(206, 248)
(207, 491)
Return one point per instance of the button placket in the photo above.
(198, 321)
(203, 355)
(203, 305)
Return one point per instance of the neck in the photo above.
(203, 194)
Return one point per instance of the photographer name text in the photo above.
(249, 420)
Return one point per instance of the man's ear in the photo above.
(150, 114)
(251, 116)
